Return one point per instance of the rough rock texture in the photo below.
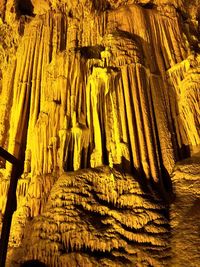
(185, 214)
(89, 83)
(99, 217)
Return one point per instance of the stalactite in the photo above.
(87, 84)
(184, 78)
(55, 101)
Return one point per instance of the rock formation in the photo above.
(100, 99)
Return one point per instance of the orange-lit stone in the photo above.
(100, 99)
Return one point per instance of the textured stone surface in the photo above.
(185, 215)
(99, 217)
(85, 84)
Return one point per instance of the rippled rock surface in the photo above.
(88, 88)
(100, 217)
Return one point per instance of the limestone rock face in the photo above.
(86, 84)
(185, 214)
(96, 218)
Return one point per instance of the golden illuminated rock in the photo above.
(96, 217)
(100, 99)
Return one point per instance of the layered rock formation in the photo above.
(86, 84)
(99, 217)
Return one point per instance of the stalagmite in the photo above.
(100, 100)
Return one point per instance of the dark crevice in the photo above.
(33, 263)
(63, 34)
(165, 185)
(97, 223)
(91, 52)
(182, 14)
(148, 5)
(24, 7)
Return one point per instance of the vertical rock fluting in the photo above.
(40, 86)
(94, 83)
(184, 78)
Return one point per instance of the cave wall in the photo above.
(91, 83)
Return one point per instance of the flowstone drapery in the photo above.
(96, 84)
